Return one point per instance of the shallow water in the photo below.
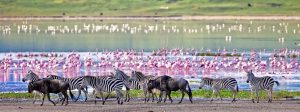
(84, 36)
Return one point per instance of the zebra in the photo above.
(219, 84)
(260, 83)
(104, 84)
(143, 80)
(75, 83)
(32, 77)
(129, 83)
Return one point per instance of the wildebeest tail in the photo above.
(189, 89)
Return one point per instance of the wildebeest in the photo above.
(167, 84)
(47, 86)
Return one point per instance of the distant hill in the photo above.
(148, 7)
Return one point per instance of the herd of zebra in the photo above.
(116, 81)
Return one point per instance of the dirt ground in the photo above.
(139, 106)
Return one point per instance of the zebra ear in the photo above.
(29, 71)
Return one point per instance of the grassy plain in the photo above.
(149, 7)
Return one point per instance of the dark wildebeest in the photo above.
(47, 86)
(168, 84)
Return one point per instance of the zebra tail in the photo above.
(71, 94)
(237, 88)
(277, 83)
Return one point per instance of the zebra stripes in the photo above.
(219, 84)
(75, 83)
(260, 83)
(104, 84)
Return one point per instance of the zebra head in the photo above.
(133, 73)
(205, 81)
(136, 75)
(30, 76)
(250, 76)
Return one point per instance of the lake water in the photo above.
(90, 39)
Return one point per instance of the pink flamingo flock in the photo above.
(178, 62)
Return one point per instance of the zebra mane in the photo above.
(55, 77)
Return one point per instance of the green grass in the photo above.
(147, 7)
(15, 95)
(196, 94)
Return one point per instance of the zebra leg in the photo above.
(160, 97)
(153, 95)
(43, 99)
(218, 91)
(119, 97)
(102, 96)
(212, 95)
(148, 97)
(95, 96)
(104, 100)
(34, 98)
(270, 96)
(252, 92)
(79, 93)
(145, 94)
(234, 92)
(127, 95)
(128, 98)
(48, 95)
(257, 97)
(85, 93)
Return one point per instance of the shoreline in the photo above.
(138, 106)
(7, 18)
